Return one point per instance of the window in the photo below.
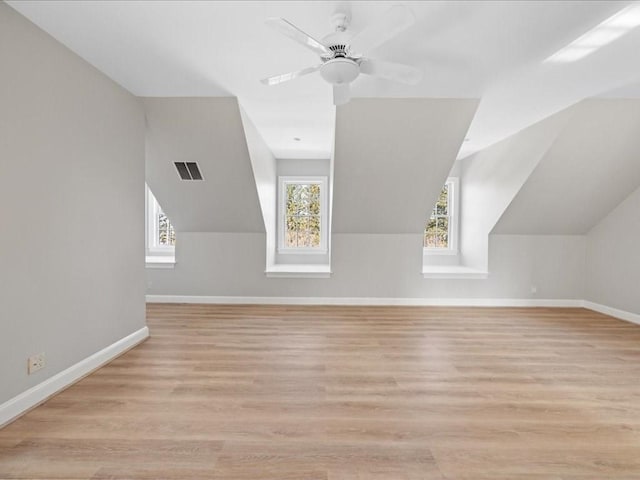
(440, 232)
(161, 236)
(302, 215)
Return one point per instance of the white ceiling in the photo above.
(491, 50)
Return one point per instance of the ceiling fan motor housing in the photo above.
(340, 70)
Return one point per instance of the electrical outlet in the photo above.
(534, 289)
(35, 363)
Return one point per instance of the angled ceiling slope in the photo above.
(591, 167)
(491, 179)
(391, 158)
(208, 131)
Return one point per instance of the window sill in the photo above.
(438, 251)
(453, 272)
(160, 262)
(298, 271)
(302, 251)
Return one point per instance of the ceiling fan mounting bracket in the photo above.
(340, 20)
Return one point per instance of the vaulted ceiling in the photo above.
(467, 49)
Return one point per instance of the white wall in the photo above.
(263, 164)
(613, 258)
(490, 180)
(71, 206)
(373, 265)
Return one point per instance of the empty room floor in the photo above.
(345, 393)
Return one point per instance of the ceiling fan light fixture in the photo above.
(340, 51)
(340, 70)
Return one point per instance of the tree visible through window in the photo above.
(303, 215)
(161, 236)
(166, 233)
(437, 232)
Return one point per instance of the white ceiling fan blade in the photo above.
(397, 72)
(341, 93)
(285, 77)
(290, 30)
(397, 19)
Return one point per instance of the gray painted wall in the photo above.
(209, 131)
(71, 204)
(373, 265)
(391, 158)
(590, 168)
(613, 258)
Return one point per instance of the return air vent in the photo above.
(188, 170)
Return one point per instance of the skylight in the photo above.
(606, 32)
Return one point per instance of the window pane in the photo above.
(314, 195)
(303, 223)
(429, 233)
(314, 231)
(304, 238)
(436, 232)
(442, 240)
(302, 215)
(442, 206)
(291, 232)
(430, 240)
(166, 233)
(293, 199)
(443, 232)
(160, 230)
(314, 205)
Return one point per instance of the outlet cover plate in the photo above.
(35, 363)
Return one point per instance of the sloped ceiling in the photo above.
(591, 167)
(494, 49)
(391, 158)
(492, 177)
(208, 131)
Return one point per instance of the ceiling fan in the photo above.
(340, 51)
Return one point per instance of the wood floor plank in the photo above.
(239, 392)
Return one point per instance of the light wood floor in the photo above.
(339, 393)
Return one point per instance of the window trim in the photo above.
(153, 249)
(285, 180)
(453, 198)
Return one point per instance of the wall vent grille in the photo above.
(188, 170)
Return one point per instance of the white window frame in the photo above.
(154, 249)
(453, 197)
(283, 181)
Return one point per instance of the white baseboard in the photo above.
(613, 312)
(20, 404)
(422, 302)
